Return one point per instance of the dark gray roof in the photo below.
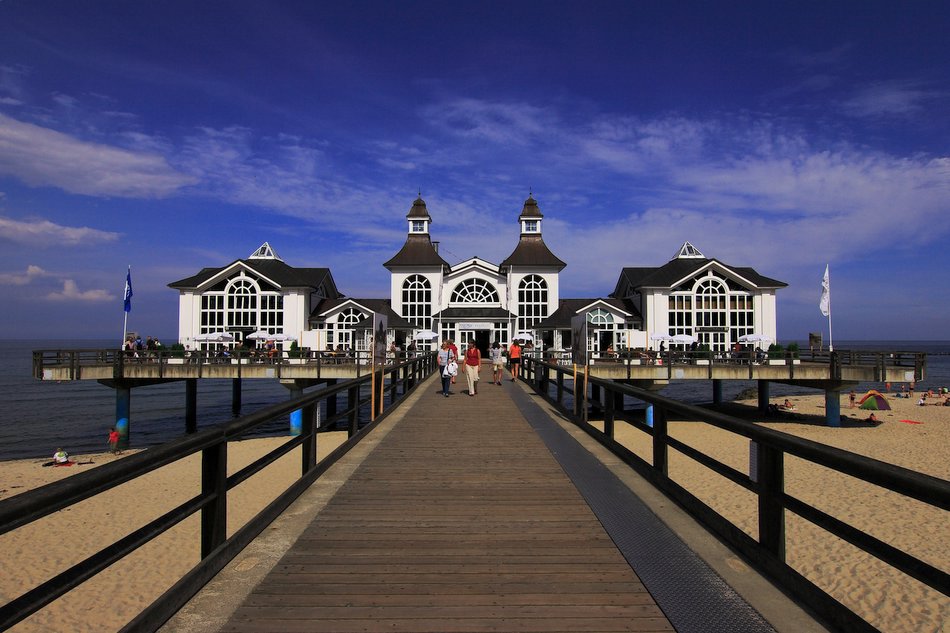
(531, 209)
(381, 306)
(678, 269)
(274, 269)
(567, 309)
(418, 211)
(531, 251)
(417, 251)
(474, 313)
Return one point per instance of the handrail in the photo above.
(770, 446)
(211, 502)
(77, 359)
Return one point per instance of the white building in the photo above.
(475, 299)
(260, 293)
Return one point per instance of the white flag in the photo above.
(825, 303)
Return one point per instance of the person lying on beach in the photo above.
(873, 418)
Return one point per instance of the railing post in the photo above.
(609, 413)
(309, 448)
(214, 480)
(353, 404)
(560, 386)
(771, 486)
(660, 449)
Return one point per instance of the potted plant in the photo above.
(792, 350)
(776, 354)
(175, 354)
(701, 354)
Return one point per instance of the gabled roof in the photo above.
(676, 270)
(418, 251)
(274, 270)
(567, 309)
(381, 306)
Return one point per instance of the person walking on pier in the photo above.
(514, 357)
(446, 358)
(473, 363)
(497, 362)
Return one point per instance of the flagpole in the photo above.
(127, 306)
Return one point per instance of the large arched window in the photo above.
(600, 317)
(474, 291)
(532, 301)
(242, 303)
(417, 301)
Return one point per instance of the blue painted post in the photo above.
(123, 409)
(649, 416)
(833, 407)
(296, 416)
(717, 391)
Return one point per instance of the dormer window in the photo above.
(417, 226)
(530, 226)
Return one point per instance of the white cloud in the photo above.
(889, 98)
(21, 279)
(46, 233)
(71, 292)
(42, 157)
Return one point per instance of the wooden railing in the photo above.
(671, 359)
(769, 450)
(75, 360)
(211, 502)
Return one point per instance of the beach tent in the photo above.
(874, 400)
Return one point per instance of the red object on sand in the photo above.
(911, 422)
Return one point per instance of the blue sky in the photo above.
(171, 136)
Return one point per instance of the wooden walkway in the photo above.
(460, 520)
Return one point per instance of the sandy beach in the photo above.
(34, 553)
(888, 599)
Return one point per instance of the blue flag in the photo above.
(128, 291)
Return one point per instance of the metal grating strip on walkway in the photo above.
(461, 519)
(693, 596)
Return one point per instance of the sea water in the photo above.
(38, 416)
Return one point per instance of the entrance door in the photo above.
(483, 341)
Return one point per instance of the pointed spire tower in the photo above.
(531, 251)
(418, 249)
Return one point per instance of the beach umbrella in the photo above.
(754, 338)
(659, 336)
(216, 337)
(425, 335)
(258, 334)
(282, 337)
(683, 338)
(524, 336)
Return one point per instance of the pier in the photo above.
(503, 511)
(830, 372)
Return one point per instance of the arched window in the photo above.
(345, 324)
(242, 303)
(417, 301)
(600, 317)
(474, 291)
(532, 301)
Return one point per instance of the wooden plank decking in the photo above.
(460, 520)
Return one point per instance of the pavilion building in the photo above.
(475, 299)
